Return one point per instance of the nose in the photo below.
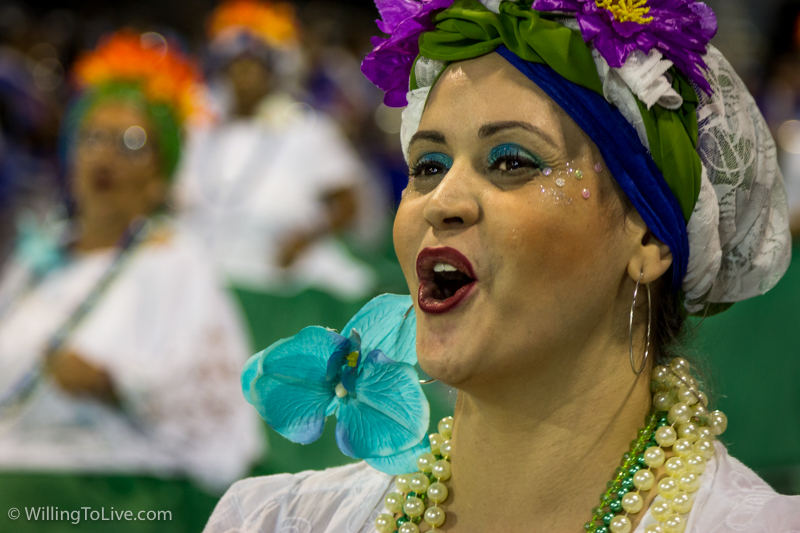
(454, 204)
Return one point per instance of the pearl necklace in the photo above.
(679, 422)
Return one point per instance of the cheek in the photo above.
(137, 174)
(549, 247)
(79, 177)
(550, 251)
(408, 232)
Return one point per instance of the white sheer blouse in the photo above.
(173, 345)
(347, 499)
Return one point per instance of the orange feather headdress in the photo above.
(274, 24)
(163, 74)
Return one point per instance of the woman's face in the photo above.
(508, 191)
(115, 169)
(251, 80)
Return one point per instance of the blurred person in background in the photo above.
(119, 354)
(270, 186)
(335, 37)
(781, 101)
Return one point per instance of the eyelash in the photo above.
(512, 153)
(437, 163)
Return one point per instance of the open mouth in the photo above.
(101, 181)
(446, 279)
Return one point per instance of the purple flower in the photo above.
(389, 65)
(679, 29)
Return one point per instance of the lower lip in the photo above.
(437, 307)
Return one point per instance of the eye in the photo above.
(97, 139)
(513, 158)
(431, 164)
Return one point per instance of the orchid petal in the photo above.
(338, 357)
(556, 5)
(389, 64)
(350, 372)
(386, 324)
(335, 362)
(287, 383)
(393, 12)
(378, 357)
(349, 377)
(401, 463)
(333, 407)
(388, 414)
(355, 338)
(680, 29)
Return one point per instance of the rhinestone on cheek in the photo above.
(547, 171)
(598, 167)
(585, 194)
(560, 182)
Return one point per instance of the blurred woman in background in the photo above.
(269, 186)
(119, 354)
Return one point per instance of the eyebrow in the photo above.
(428, 135)
(496, 127)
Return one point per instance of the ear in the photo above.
(651, 258)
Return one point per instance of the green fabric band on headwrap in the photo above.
(672, 136)
(167, 128)
(467, 30)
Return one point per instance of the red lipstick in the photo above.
(446, 279)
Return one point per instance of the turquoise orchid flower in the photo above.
(366, 379)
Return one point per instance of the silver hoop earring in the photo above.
(630, 326)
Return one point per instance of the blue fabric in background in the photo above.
(625, 156)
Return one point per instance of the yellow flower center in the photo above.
(352, 359)
(627, 10)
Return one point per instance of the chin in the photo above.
(443, 370)
(449, 357)
(101, 210)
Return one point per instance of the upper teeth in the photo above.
(444, 267)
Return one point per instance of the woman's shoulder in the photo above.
(337, 499)
(171, 255)
(737, 499)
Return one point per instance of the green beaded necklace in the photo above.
(679, 422)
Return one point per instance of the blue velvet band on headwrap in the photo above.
(625, 156)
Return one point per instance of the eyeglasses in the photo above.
(131, 143)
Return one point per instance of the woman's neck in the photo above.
(100, 234)
(536, 455)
